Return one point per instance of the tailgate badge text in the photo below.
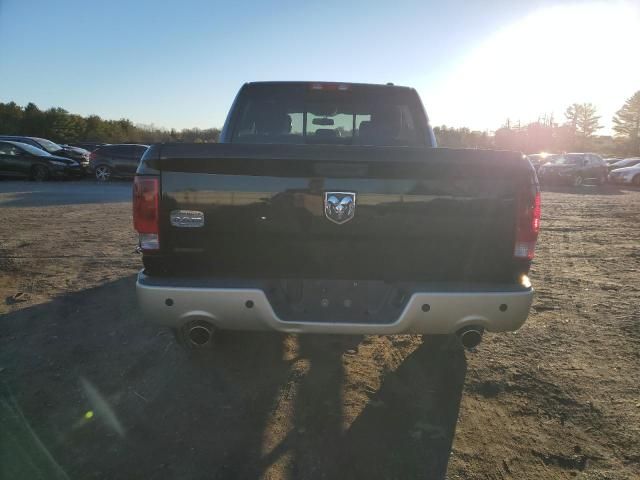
(187, 218)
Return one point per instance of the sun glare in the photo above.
(541, 64)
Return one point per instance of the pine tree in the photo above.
(626, 122)
(588, 122)
(582, 122)
(583, 119)
(571, 113)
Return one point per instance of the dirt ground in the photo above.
(89, 390)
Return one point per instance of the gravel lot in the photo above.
(89, 390)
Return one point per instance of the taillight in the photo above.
(146, 193)
(92, 156)
(527, 223)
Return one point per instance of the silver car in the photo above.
(626, 176)
(625, 162)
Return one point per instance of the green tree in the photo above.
(94, 129)
(571, 114)
(11, 117)
(583, 122)
(588, 122)
(61, 126)
(626, 122)
(33, 120)
(445, 136)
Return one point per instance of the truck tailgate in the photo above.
(420, 213)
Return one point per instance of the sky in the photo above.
(179, 64)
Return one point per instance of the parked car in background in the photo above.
(627, 162)
(574, 169)
(628, 175)
(52, 148)
(117, 160)
(78, 153)
(612, 160)
(539, 159)
(24, 160)
(90, 146)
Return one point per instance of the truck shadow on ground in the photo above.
(408, 427)
(91, 390)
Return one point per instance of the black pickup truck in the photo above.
(326, 208)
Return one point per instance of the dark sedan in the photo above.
(539, 159)
(89, 146)
(118, 160)
(77, 153)
(574, 169)
(53, 148)
(26, 161)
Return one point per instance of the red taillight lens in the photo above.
(527, 224)
(146, 193)
(92, 156)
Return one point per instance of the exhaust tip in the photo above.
(200, 335)
(470, 337)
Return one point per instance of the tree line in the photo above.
(63, 127)
(575, 133)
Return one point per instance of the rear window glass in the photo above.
(568, 159)
(8, 149)
(328, 115)
(48, 145)
(116, 149)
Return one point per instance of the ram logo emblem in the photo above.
(339, 207)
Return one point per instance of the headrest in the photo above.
(272, 122)
(326, 132)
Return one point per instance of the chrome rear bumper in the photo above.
(173, 305)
